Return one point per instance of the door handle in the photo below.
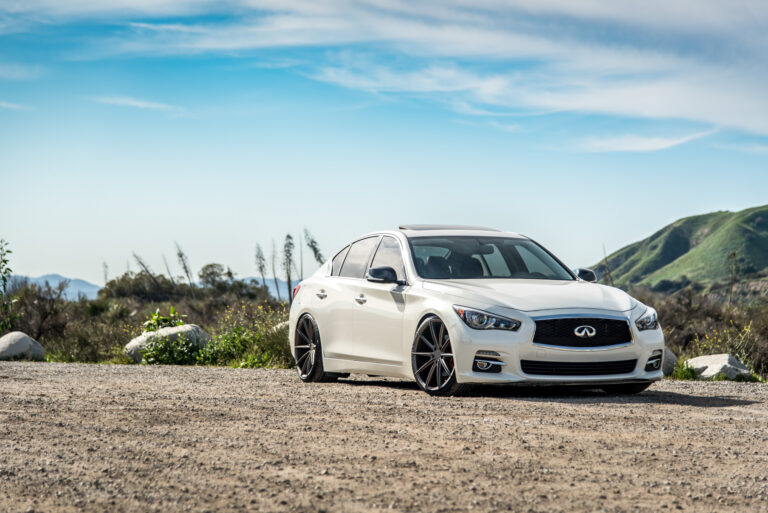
(361, 299)
(322, 294)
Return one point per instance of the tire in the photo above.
(308, 352)
(432, 359)
(627, 389)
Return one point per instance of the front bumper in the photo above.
(518, 354)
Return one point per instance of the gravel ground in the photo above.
(139, 438)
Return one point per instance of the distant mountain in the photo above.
(697, 248)
(74, 290)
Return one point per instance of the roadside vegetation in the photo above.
(696, 324)
(248, 326)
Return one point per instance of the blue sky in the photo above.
(130, 124)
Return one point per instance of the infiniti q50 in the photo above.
(453, 306)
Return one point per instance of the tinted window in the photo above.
(357, 258)
(462, 258)
(389, 255)
(338, 260)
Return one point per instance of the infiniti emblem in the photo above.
(585, 331)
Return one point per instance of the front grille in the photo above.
(577, 369)
(561, 332)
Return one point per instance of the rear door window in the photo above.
(357, 258)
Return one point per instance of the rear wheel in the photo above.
(308, 352)
(626, 389)
(432, 359)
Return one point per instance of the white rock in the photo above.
(711, 365)
(191, 332)
(668, 362)
(20, 346)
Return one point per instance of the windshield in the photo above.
(469, 258)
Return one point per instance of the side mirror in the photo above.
(384, 274)
(586, 275)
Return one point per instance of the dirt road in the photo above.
(138, 438)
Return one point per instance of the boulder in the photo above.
(709, 366)
(191, 332)
(668, 362)
(20, 346)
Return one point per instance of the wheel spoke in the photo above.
(444, 366)
(302, 358)
(311, 332)
(424, 339)
(439, 379)
(302, 335)
(434, 337)
(305, 347)
(428, 353)
(440, 337)
(429, 376)
(428, 362)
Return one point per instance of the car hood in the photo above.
(533, 295)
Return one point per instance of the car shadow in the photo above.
(569, 394)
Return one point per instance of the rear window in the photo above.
(357, 258)
(338, 260)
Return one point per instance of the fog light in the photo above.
(487, 361)
(654, 362)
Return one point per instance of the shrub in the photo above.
(250, 336)
(684, 371)
(741, 343)
(741, 378)
(170, 351)
(158, 321)
(7, 313)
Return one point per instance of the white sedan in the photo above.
(452, 306)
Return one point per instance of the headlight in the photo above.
(479, 320)
(648, 321)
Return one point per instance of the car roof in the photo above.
(436, 230)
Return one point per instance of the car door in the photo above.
(380, 309)
(337, 301)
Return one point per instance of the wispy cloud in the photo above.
(696, 60)
(16, 71)
(127, 101)
(761, 149)
(506, 127)
(635, 143)
(13, 106)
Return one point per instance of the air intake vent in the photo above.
(577, 369)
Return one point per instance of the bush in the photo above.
(170, 351)
(696, 324)
(684, 371)
(741, 343)
(250, 336)
(158, 321)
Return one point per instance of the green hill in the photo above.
(697, 249)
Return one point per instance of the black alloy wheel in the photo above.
(432, 359)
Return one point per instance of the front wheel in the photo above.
(308, 352)
(432, 359)
(626, 389)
